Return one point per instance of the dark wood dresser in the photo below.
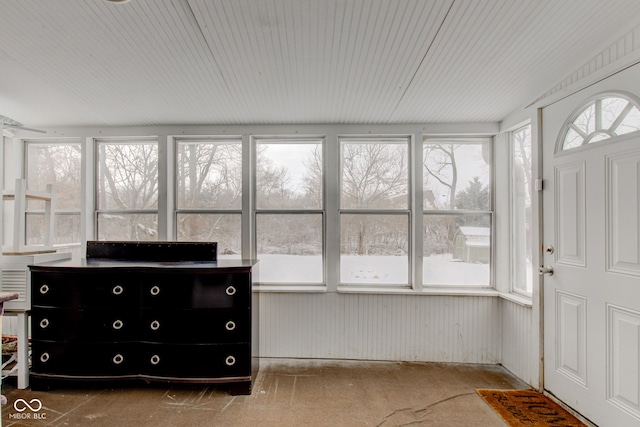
(167, 311)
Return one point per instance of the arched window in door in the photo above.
(601, 118)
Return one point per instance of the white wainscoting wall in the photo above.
(517, 341)
(462, 329)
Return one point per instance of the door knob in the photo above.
(542, 270)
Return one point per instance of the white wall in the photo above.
(463, 329)
(518, 341)
(519, 332)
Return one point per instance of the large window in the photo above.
(127, 190)
(521, 211)
(57, 163)
(374, 211)
(345, 212)
(457, 212)
(209, 193)
(289, 200)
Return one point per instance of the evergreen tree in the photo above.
(474, 197)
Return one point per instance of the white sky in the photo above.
(293, 158)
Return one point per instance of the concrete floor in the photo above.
(286, 393)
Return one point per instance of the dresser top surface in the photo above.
(90, 263)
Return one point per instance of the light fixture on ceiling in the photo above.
(117, 1)
(8, 123)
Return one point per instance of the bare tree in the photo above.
(128, 180)
(522, 184)
(55, 163)
(439, 163)
(522, 157)
(443, 166)
(209, 176)
(313, 179)
(374, 176)
(272, 184)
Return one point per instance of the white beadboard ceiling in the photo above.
(164, 62)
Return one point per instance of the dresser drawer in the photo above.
(196, 325)
(196, 290)
(85, 325)
(195, 361)
(80, 289)
(84, 360)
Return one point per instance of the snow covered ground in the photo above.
(385, 270)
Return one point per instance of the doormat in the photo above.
(528, 408)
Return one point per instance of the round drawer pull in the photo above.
(44, 289)
(118, 359)
(118, 324)
(155, 325)
(155, 359)
(44, 358)
(231, 325)
(117, 290)
(44, 323)
(231, 290)
(155, 290)
(230, 361)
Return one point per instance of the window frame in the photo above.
(96, 194)
(177, 210)
(57, 212)
(490, 212)
(403, 212)
(528, 275)
(588, 139)
(330, 136)
(255, 141)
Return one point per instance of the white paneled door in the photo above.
(592, 242)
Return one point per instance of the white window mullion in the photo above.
(417, 206)
(89, 190)
(332, 219)
(164, 185)
(248, 196)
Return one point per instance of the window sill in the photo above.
(291, 288)
(374, 290)
(518, 299)
(441, 291)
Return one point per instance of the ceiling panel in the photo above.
(493, 56)
(150, 62)
(319, 62)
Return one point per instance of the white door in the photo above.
(591, 302)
